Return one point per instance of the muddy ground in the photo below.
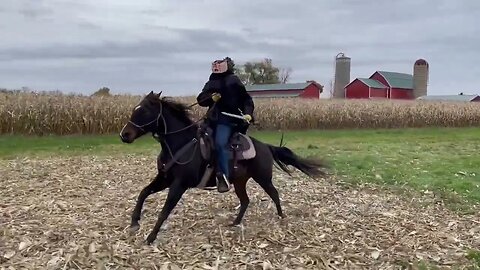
(73, 213)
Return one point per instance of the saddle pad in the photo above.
(245, 149)
(243, 146)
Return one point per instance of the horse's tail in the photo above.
(283, 156)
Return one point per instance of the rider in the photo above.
(224, 92)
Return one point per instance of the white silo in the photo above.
(420, 78)
(342, 75)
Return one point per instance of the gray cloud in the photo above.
(189, 42)
(29, 9)
(142, 46)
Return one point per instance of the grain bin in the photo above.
(342, 75)
(420, 78)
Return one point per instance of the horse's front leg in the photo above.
(174, 194)
(158, 184)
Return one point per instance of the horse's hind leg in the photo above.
(158, 184)
(264, 179)
(241, 191)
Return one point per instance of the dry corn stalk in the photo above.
(41, 114)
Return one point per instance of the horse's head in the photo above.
(145, 118)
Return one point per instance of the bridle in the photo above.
(157, 136)
(156, 120)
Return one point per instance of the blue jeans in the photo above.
(222, 135)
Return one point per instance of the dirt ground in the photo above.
(74, 213)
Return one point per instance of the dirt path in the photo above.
(74, 213)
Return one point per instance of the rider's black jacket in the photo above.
(234, 97)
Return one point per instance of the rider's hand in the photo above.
(247, 117)
(216, 97)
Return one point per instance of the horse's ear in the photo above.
(159, 94)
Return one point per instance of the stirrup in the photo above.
(225, 185)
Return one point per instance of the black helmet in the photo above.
(230, 63)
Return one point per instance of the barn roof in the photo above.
(286, 95)
(277, 86)
(466, 98)
(398, 80)
(372, 83)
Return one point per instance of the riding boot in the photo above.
(223, 185)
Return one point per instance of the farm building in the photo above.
(382, 84)
(457, 98)
(309, 89)
(389, 85)
(365, 88)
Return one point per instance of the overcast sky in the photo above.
(138, 46)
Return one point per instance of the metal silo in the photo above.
(420, 78)
(342, 75)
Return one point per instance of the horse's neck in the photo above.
(176, 140)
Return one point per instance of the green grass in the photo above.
(474, 257)
(443, 160)
(15, 146)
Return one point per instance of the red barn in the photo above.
(382, 84)
(365, 88)
(309, 89)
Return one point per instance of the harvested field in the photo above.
(73, 213)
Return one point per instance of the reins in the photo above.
(160, 114)
(185, 147)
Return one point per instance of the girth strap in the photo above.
(180, 152)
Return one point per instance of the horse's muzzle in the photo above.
(126, 137)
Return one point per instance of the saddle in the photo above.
(240, 145)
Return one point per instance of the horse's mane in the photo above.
(178, 109)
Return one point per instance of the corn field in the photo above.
(43, 114)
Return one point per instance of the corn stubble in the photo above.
(42, 114)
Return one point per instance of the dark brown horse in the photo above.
(169, 122)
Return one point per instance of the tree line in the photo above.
(262, 72)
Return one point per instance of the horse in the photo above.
(180, 163)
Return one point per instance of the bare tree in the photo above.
(285, 74)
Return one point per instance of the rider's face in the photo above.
(219, 67)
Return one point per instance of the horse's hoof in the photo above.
(134, 228)
(283, 220)
(150, 239)
(235, 224)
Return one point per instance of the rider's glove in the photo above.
(247, 117)
(216, 97)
